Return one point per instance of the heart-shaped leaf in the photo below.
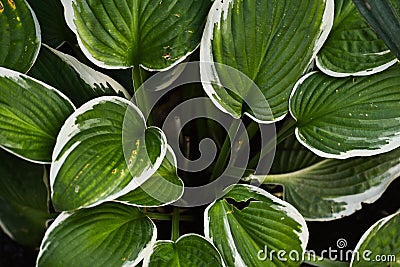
(111, 234)
(248, 223)
(76, 80)
(31, 115)
(103, 152)
(272, 42)
(353, 48)
(384, 17)
(342, 118)
(152, 33)
(19, 35)
(380, 245)
(24, 197)
(332, 188)
(50, 15)
(162, 188)
(189, 250)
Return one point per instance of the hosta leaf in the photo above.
(353, 48)
(332, 188)
(248, 223)
(19, 35)
(162, 188)
(291, 156)
(270, 41)
(152, 33)
(31, 115)
(92, 163)
(380, 245)
(189, 250)
(111, 234)
(50, 14)
(76, 80)
(384, 17)
(341, 118)
(24, 199)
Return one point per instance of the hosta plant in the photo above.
(97, 170)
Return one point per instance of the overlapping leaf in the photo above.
(248, 223)
(341, 118)
(31, 115)
(76, 80)
(291, 156)
(272, 42)
(353, 48)
(111, 234)
(384, 17)
(24, 199)
(380, 245)
(189, 250)
(331, 189)
(50, 15)
(162, 188)
(152, 33)
(103, 151)
(19, 35)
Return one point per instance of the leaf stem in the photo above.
(139, 76)
(225, 150)
(267, 179)
(175, 224)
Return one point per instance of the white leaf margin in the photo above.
(392, 143)
(18, 77)
(280, 205)
(70, 129)
(38, 33)
(65, 215)
(376, 226)
(353, 202)
(358, 73)
(90, 76)
(69, 15)
(146, 260)
(208, 72)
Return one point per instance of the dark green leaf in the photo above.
(31, 115)
(188, 251)
(103, 152)
(76, 80)
(272, 42)
(342, 118)
(353, 48)
(54, 29)
(19, 35)
(111, 234)
(384, 17)
(248, 223)
(152, 33)
(24, 198)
